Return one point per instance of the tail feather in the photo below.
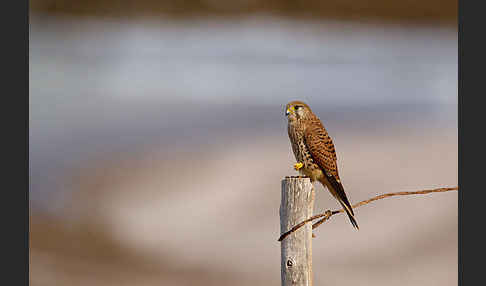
(337, 191)
(349, 212)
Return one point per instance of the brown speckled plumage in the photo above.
(313, 147)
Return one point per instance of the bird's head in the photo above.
(296, 110)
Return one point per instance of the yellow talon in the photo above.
(298, 166)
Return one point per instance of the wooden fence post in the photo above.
(296, 249)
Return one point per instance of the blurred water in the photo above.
(103, 87)
(240, 60)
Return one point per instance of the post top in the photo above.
(296, 178)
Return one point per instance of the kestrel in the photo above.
(315, 153)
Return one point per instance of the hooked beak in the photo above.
(289, 110)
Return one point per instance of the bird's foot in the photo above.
(298, 166)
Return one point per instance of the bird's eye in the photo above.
(297, 107)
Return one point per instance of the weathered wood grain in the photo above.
(296, 250)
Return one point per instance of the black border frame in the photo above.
(471, 144)
(15, 213)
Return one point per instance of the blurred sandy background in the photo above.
(158, 139)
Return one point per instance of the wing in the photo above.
(321, 148)
(323, 153)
